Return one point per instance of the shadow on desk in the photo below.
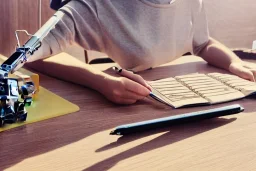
(173, 134)
(32, 140)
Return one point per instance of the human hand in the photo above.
(126, 89)
(243, 70)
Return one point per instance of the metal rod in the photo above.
(40, 14)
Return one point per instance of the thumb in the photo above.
(247, 74)
(242, 72)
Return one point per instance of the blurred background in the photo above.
(233, 22)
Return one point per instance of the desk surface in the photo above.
(81, 141)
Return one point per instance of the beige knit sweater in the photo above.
(137, 34)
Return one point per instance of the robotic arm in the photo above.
(18, 58)
(11, 109)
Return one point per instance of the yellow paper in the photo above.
(47, 105)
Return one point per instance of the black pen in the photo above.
(151, 94)
(177, 119)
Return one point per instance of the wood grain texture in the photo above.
(8, 13)
(81, 141)
(47, 12)
(16, 15)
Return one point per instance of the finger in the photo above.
(243, 72)
(127, 94)
(126, 101)
(135, 87)
(135, 77)
(131, 95)
(254, 73)
(247, 74)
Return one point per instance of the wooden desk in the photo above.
(81, 141)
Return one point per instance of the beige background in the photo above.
(232, 22)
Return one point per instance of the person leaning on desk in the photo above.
(136, 34)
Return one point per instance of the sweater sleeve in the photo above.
(78, 23)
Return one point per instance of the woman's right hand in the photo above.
(125, 90)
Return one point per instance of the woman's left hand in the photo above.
(244, 70)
